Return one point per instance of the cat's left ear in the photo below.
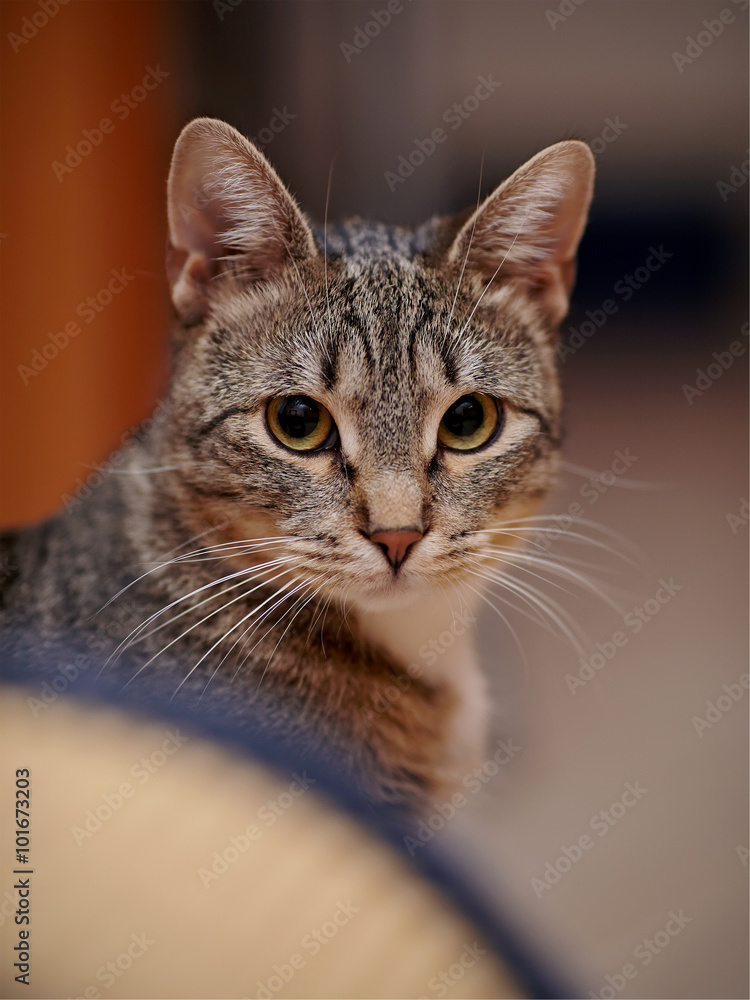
(530, 227)
(226, 204)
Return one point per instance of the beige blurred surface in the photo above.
(165, 867)
(676, 847)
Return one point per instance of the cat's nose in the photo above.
(396, 544)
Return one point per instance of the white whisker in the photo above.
(318, 614)
(137, 472)
(560, 570)
(497, 611)
(533, 615)
(304, 289)
(247, 575)
(567, 534)
(250, 631)
(549, 607)
(497, 271)
(466, 257)
(226, 634)
(185, 557)
(628, 484)
(325, 246)
(305, 602)
(217, 611)
(516, 551)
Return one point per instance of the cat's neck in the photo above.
(432, 638)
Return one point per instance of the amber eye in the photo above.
(300, 423)
(470, 422)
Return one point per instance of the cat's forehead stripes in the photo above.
(362, 242)
(387, 339)
(390, 327)
(392, 332)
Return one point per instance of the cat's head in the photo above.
(376, 396)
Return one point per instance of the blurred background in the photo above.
(93, 96)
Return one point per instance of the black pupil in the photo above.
(465, 417)
(298, 416)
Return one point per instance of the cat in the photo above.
(357, 415)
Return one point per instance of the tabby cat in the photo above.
(361, 421)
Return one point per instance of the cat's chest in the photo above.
(432, 639)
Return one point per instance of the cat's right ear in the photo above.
(226, 207)
(530, 227)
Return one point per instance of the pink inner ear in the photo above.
(530, 226)
(188, 274)
(568, 273)
(225, 200)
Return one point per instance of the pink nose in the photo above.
(395, 544)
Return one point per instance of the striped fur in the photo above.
(386, 327)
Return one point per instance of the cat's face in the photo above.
(378, 407)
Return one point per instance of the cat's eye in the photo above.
(300, 423)
(472, 421)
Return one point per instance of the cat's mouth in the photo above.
(402, 571)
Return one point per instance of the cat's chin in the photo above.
(389, 597)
